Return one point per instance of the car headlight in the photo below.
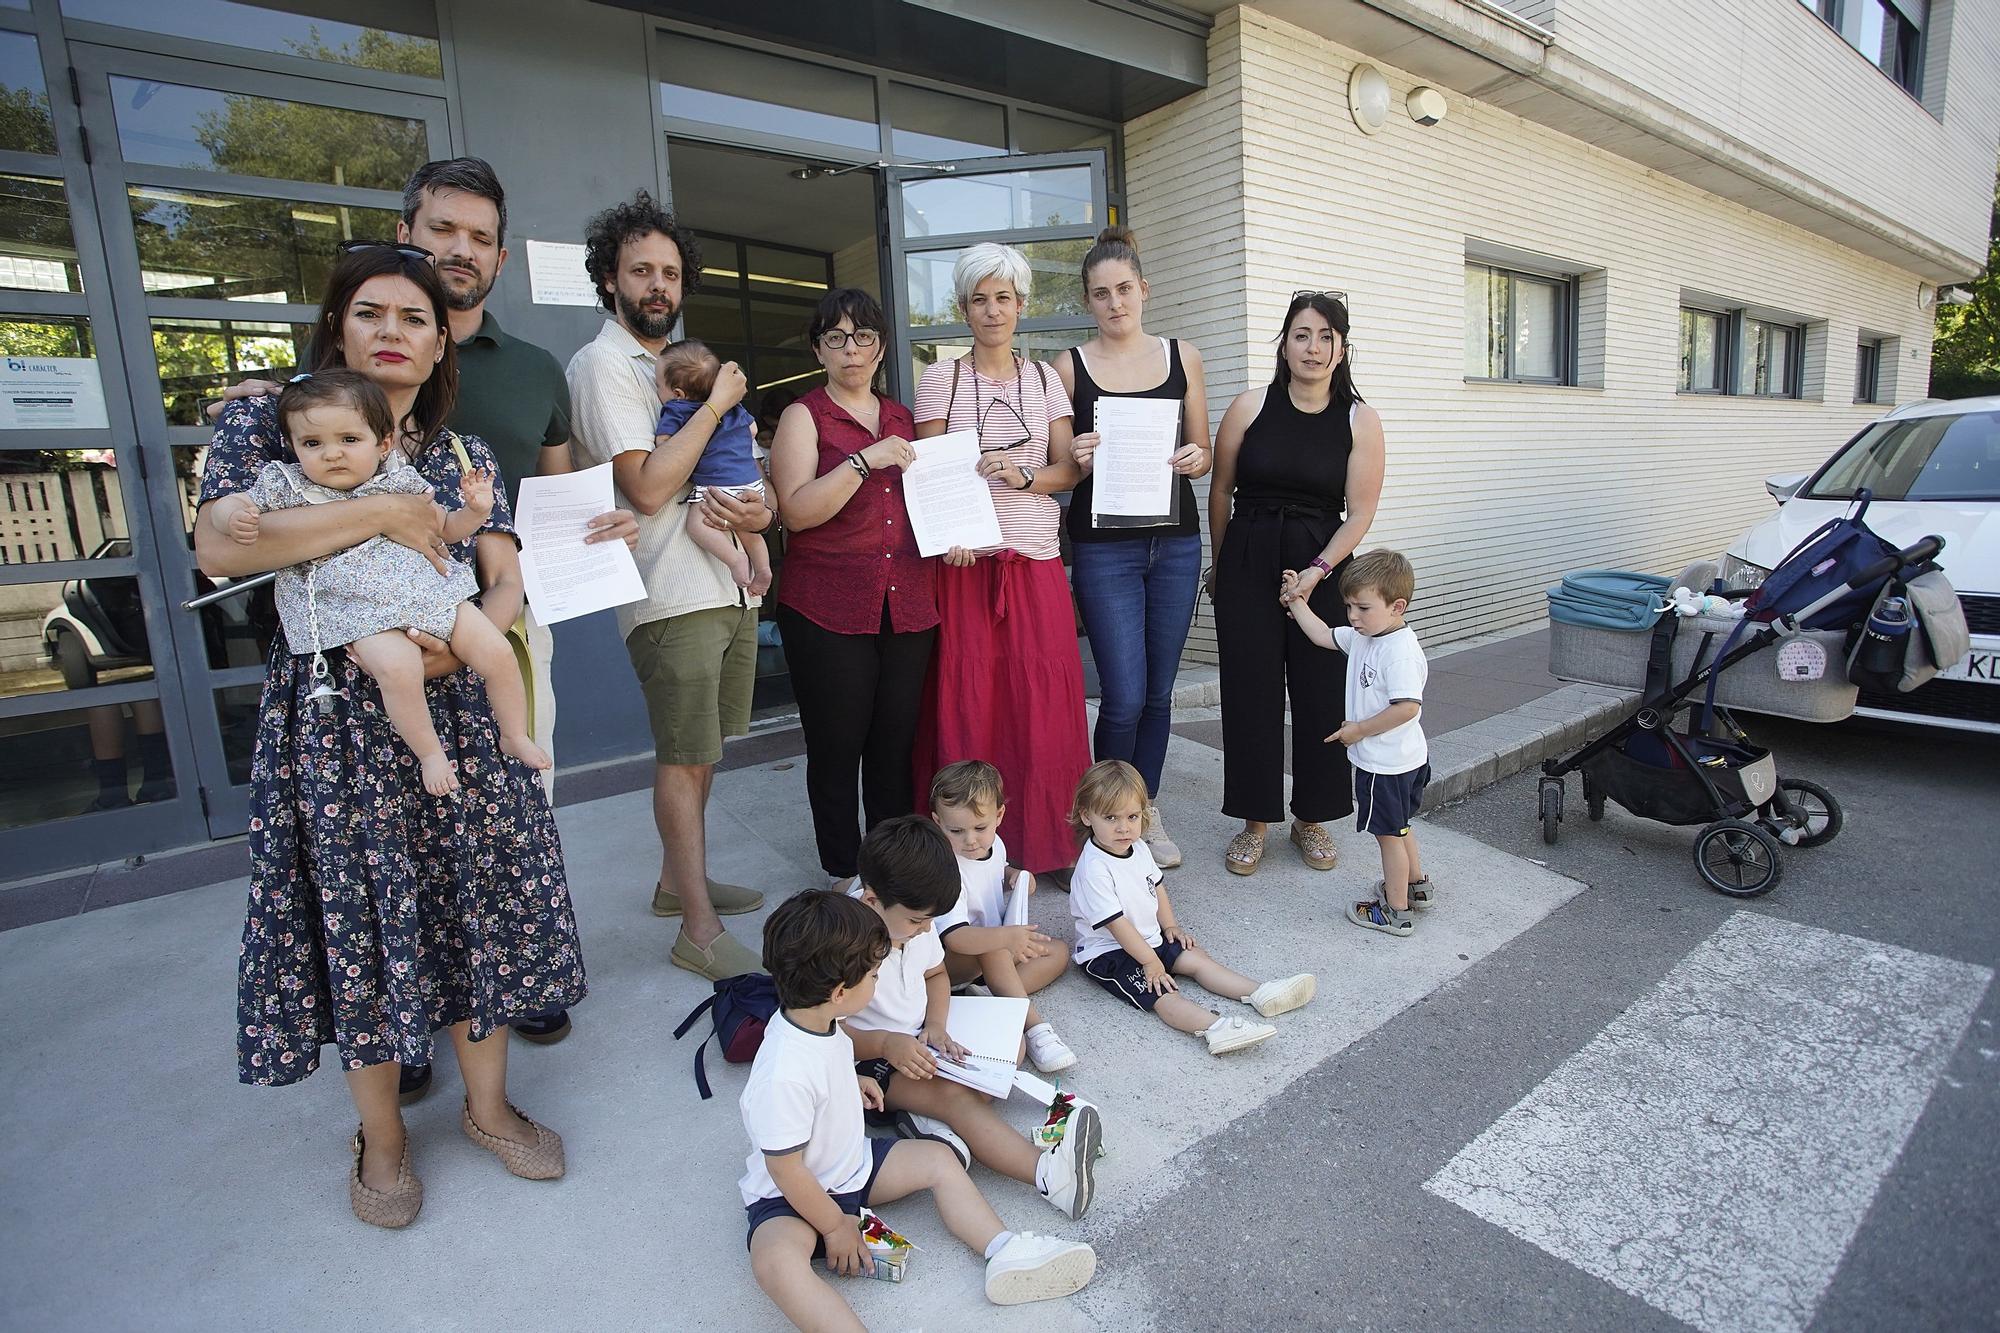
(1740, 574)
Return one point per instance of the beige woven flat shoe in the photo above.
(544, 1161)
(1315, 844)
(394, 1208)
(1244, 853)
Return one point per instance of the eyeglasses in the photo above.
(985, 414)
(1309, 293)
(407, 251)
(835, 339)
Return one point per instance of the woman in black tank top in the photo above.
(1298, 473)
(1135, 586)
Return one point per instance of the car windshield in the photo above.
(1922, 458)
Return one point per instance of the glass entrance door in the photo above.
(222, 194)
(1049, 206)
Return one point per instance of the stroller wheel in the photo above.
(1738, 858)
(1551, 808)
(1805, 809)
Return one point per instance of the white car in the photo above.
(1933, 467)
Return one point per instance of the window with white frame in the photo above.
(1519, 327)
(1768, 363)
(1704, 351)
(1868, 371)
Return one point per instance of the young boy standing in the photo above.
(968, 801)
(811, 1166)
(909, 875)
(1385, 744)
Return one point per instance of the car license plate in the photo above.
(1980, 666)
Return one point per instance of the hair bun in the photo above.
(1118, 236)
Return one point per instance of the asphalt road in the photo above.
(1311, 1212)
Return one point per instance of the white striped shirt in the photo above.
(1028, 522)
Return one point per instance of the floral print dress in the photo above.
(379, 913)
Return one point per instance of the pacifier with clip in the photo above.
(323, 694)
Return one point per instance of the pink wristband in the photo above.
(1319, 563)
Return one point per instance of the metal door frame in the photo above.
(897, 247)
(201, 766)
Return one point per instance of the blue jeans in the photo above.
(1137, 599)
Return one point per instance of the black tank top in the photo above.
(1084, 401)
(1289, 457)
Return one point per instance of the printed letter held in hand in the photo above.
(1133, 464)
(564, 577)
(950, 504)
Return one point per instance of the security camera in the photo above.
(1426, 105)
(1954, 296)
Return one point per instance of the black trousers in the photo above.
(858, 697)
(1264, 656)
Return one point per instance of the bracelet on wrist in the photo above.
(712, 412)
(859, 464)
(1319, 563)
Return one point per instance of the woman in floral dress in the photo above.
(378, 913)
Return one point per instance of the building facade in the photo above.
(1648, 255)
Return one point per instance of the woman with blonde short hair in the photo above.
(1006, 681)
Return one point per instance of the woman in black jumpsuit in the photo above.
(1298, 474)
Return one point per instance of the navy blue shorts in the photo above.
(1385, 803)
(1125, 976)
(850, 1203)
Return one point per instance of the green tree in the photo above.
(1965, 358)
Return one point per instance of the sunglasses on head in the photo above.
(416, 252)
(1304, 294)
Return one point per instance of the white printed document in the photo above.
(989, 1027)
(949, 503)
(564, 577)
(1133, 465)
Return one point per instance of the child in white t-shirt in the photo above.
(1127, 939)
(812, 1167)
(1386, 674)
(968, 801)
(909, 875)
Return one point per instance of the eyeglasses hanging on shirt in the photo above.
(1018, 409)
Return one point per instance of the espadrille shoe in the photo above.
(544, 1161)
(393, 1208)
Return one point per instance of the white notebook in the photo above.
(989, 1027)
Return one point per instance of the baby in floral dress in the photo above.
(341, 430)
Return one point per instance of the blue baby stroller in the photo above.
(1614, 628)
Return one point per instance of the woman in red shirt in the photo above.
(857, 606)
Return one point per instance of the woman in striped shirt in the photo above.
(1006, 682)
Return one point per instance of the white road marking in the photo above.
(1714, 1149)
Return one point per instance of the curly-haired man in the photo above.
(693, 640)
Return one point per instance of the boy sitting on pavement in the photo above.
(1386, 673)
(909, 875)
(811, 1166)
(968, 801)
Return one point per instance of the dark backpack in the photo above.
(742, 1006)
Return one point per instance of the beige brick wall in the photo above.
(1261, 184)
(1769, 73)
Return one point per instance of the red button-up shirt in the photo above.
(841, 574)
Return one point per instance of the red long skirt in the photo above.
(1006, 686)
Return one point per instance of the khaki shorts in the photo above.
(696, 672)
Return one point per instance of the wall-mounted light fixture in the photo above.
(1368, 98)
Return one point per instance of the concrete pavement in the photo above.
(144, 1188)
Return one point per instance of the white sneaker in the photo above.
(910, 1125)
(1281, 997)
(1038, 1268)
(1049, 1052)
(1066, 1174)
(1233, 1034)
(1165, 855)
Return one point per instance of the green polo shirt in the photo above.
(512, 395)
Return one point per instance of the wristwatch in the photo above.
(1029, 474)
